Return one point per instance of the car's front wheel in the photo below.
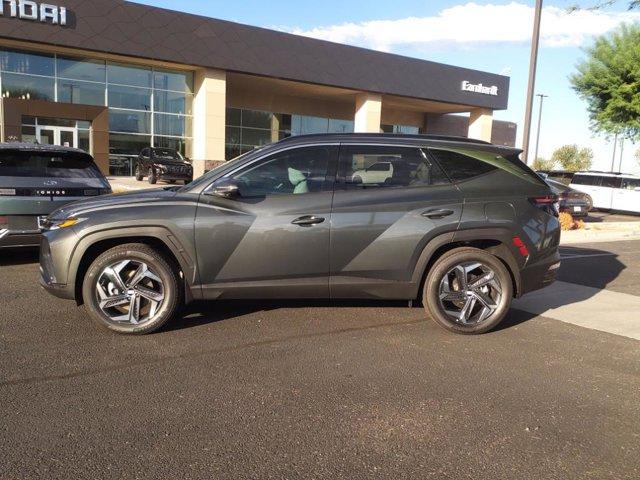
(139, 175)
(152, 176)
(132, 289)
(468, 291)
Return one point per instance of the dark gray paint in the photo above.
(119, 27)
(373, 243)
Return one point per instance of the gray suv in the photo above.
(35, 180)
(460, 225)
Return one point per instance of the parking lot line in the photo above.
(594, 308)
(586, 255)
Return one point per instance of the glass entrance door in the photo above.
(63, 136)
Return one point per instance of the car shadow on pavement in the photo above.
(18, 256)
(575, 270)
(211, 311)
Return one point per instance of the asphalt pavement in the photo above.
(344, 390)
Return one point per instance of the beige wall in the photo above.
(480, 124)
(368, 113)
(209, 112)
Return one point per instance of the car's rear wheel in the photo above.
(468, 291)
(132, 289)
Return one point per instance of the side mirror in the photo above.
(224, 188)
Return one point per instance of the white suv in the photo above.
(610, 191)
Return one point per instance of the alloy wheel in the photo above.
(129, 292)
(470, 293)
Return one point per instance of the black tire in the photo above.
(152, 177)
(172, 182)
(162, 267)
(431, 290)
(589, 202)
(187, 182)
(139, 175)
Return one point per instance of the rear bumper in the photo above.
(10, 239)
(539, 275)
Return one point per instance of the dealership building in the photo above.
(113, 77)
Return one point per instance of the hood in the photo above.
(170, 161)
(138, 197)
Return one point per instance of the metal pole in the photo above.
(542, 97)
(533, 63)
(621, 152)
(613, 157)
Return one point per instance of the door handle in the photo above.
(308, 220)
(437, 213)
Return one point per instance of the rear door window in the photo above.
(611, 182)
(630, 183)
(374, 166)
(40, 164)
(588, 180)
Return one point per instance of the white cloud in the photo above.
(472, 24)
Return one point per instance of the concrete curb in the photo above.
(602, 232)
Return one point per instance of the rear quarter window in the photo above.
(463, 164)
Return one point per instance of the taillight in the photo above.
(4, 222)
(522, 248)
(548, 203)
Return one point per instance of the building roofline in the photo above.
(140, 31)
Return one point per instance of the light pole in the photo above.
(542, 97)
(533, 62)
(613, 157)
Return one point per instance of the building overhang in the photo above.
(122, 28)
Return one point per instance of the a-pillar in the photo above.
(209, 111)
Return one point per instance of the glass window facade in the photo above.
(147, 106)
(247, 129)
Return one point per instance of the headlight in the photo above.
(60, 223)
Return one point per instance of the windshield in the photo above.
(43, 164)
(206, 178)
(167, 153)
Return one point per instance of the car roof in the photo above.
(34, 147)
(393, 138)
(608, 174)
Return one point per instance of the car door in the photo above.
(627, 197)
(271, 239)
(379, 229)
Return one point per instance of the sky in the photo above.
(493, 36)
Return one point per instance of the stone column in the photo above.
(209, 112)
(481, 124)
(368, 113)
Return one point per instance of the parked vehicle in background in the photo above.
(36, 180)
(561, 176)
(163, 164)
(379, 172)
(610, 191)
(463, 226)
(572, 201)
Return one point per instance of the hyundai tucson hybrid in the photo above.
(462, 226)
(163, 164)
(37, 179)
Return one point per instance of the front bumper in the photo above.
(48, 279)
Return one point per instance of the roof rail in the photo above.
(444, 138)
